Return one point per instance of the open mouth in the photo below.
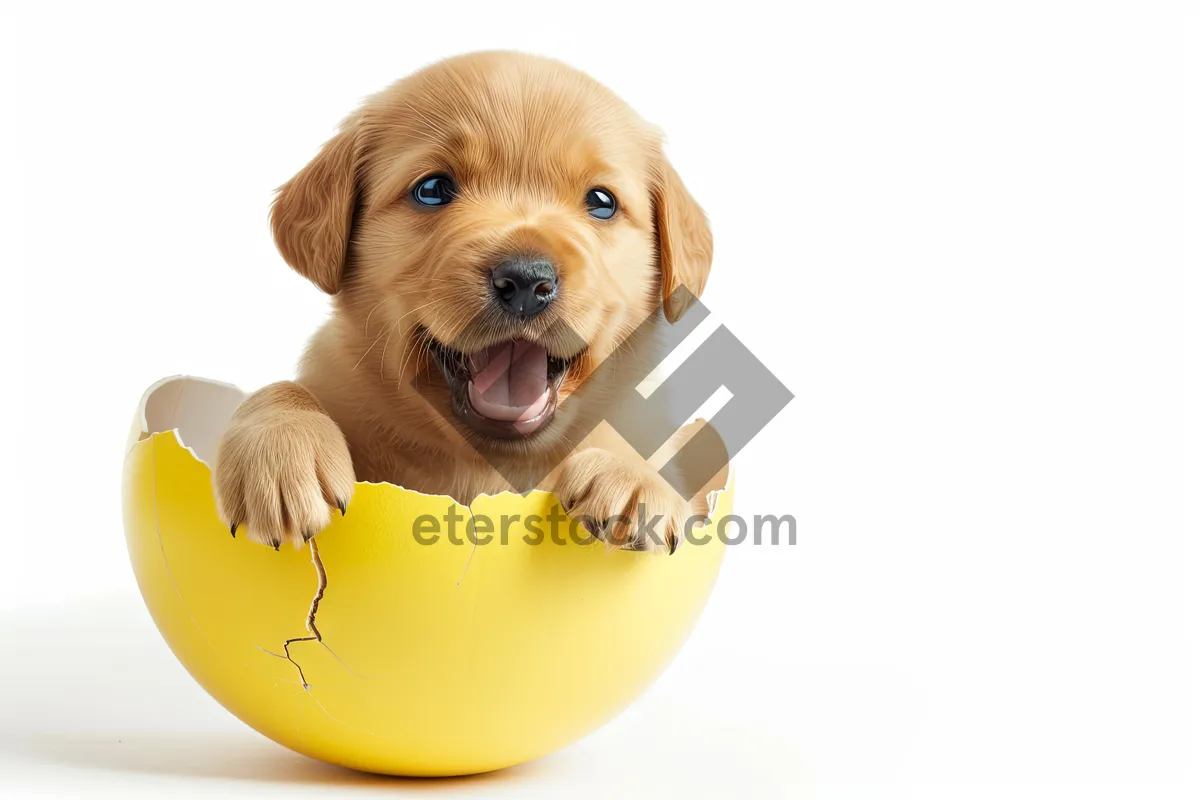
(508, 390)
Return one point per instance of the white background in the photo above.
(956, 234)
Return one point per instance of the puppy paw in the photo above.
(626, 505)
(279, 473)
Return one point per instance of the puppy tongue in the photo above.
(509, 383)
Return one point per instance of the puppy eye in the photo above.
(600, 203)
(436, 190)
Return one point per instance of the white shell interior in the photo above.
(199, 409)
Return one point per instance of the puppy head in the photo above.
(505, 218)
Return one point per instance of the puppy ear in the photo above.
(684, 240)
(313, 213)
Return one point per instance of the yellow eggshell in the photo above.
(442, 659)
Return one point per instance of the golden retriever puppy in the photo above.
(491, 230)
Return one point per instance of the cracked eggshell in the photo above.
(417, 674)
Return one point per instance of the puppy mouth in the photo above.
(508, 390)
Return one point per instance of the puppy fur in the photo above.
(524, 138)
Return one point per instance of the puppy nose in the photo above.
(524, 287)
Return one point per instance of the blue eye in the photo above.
(600, 203)
(436, 190)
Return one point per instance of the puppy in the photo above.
(491, 230)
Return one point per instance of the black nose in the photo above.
(524, 286)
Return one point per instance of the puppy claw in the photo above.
(342, 507)
(640, 510)
(279, 472)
